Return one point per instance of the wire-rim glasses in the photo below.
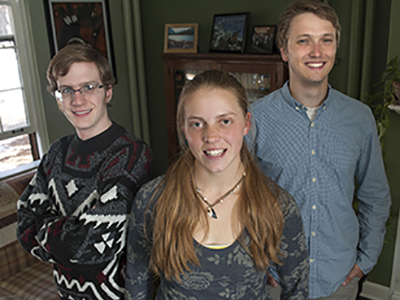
(68, 93)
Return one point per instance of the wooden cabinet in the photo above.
(259, 74)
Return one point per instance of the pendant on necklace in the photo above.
(211, 213)
(210, 210)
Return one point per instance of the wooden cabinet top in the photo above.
(222, 57)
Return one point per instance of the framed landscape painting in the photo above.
(180, 38)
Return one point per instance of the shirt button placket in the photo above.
(313, 215)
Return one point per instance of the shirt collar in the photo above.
(296, 104)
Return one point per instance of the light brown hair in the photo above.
(319, 8)
(178, 210)
(61, 63)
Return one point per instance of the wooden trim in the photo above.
(34, 146)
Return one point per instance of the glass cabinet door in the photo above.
(256, 85)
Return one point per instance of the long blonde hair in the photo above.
(178, 210)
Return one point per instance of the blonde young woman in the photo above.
(212, 226)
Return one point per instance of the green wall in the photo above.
(155, 13)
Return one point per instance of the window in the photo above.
(19, 147)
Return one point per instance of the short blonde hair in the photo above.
(318, 8)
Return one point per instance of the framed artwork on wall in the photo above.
(180, 38)
(80, 22)
(263, 39)
(229, 32)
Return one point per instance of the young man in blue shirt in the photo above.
(315, 142)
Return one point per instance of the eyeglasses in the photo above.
(68, 93)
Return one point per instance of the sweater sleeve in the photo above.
(95, 232)
(34, 206)
(139, 282)
(294, 271)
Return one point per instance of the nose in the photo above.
(315, 50)
(211, 134)
(78, 97)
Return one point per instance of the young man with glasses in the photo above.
(73, 212)
(316, 142)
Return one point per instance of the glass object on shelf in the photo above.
(180, 78)
(190, 75)
(256, 85)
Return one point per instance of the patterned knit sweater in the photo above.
(228, 273)
(73, 212)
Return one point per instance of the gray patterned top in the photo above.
(227, 273)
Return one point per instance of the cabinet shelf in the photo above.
(259, 74)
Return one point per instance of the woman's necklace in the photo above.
(210, 211)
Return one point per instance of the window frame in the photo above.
(36, 129)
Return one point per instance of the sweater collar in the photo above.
(100, 141)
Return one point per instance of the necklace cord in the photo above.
(210, 210)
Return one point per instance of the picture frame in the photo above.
(263, 39)
(229, 32)
(181, 38)
(80, 22)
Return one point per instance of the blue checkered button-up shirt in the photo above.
(317, 162)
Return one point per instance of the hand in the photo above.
(272, 281)
(356, 271)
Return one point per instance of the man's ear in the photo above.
(284, 54)
(109, 93)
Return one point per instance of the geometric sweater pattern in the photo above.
(73, 213)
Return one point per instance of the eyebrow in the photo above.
(80, 85)
(309, 35)
(194, 118)
(217, 117)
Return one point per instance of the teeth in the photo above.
(82, 112)
(214, 152)
(315, 65)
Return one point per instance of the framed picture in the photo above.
(180, 38)
(229, 32)
(263, 39)
(84, 22)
